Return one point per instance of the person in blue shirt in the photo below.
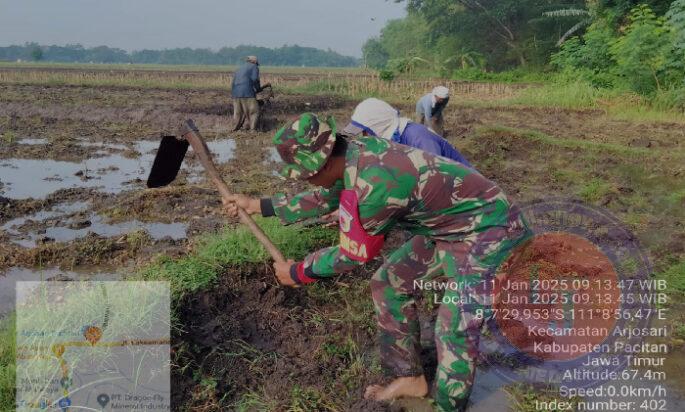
(244, 89)
(374, 117)
(429, 109)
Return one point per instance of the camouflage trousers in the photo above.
(464, 267)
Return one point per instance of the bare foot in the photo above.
(409, 386)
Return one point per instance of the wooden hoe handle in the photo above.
(192, 135)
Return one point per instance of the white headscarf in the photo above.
(441, 92)
(383, 119)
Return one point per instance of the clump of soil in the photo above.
(163, 205)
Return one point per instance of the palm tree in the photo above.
(571, 13)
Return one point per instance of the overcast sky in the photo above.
(342, 25)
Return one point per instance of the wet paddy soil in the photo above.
(269, 328)
(256, 326)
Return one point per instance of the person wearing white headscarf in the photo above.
(374, 117)
(429, 108)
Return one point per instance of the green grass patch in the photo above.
(7, 363)
(255, 402)
(619, 104)
(564, 176)
(305, 399)
(675, 277)
(9, 137)
(569, 143)
(233, 247)
(594, 190)
(679, 331)
(573, 95)
(677, 198)
(524, 397)
(309, 399)
(507, 76)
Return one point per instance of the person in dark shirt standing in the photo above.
(244, 89)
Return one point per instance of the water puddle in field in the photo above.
(112, 171)
(273, 156)
(9, 279)
(33, 141)
(67, 222)
(273, 160)
(107, 145)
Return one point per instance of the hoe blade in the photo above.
(167, 162)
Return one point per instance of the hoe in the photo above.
(168, 162)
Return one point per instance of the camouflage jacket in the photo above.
(398, 186)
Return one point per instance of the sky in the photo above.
(342, 25)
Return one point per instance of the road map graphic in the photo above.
(93, 346)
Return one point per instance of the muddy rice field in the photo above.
(73, 203)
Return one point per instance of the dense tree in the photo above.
(676, 20)
(633, 45)
(617, 11)
(641, 53)
(646, 54)
(375, 55)
(37, 54)
(507, 32)
(400, 41)
(282, 56)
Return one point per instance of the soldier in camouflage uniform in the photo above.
(462, 224)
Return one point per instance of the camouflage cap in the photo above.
(304, 145)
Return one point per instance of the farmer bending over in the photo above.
(429, 109)
(462, 226)
(374, 117)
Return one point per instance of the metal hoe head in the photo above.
(168, 161)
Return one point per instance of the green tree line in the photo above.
(281, 56)
(634, 45)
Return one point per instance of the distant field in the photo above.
(353, 83)
(356, 83)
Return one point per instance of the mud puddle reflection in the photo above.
(67, 222)
(112, 172)
(273, 159)
(33, 141)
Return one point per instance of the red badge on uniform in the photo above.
(355, 243)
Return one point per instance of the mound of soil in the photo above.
(250, 336)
